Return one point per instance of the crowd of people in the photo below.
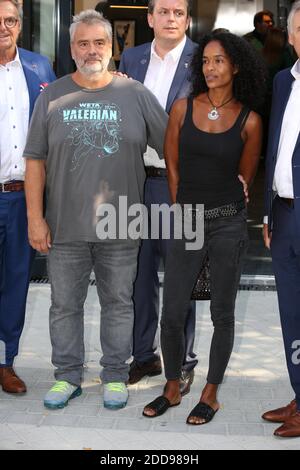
(180, 125)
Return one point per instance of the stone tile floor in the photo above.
(256, 381)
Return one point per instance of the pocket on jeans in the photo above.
(241, 250)
(242, 215)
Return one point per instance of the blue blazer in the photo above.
(38, 73)
(135, 61)
(281, 92)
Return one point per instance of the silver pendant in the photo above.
(213, 114)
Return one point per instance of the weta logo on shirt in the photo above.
(94, 130)
(92, 112)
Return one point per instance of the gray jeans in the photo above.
(69, 268)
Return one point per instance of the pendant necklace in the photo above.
(213, 113)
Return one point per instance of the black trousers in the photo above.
(226, 241)
(146, 289)
(285, 248)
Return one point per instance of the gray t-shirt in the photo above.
(93, 142)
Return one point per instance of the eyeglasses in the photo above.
(9, 22)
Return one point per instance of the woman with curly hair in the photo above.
(212, 150)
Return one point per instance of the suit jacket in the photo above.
(254, 40)
(38, 74)
(281, 93)
(135, 61)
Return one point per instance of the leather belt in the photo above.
(225, 211)
(153, 172)
(288, 201)
(11, 186)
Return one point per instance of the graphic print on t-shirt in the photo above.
(94, 129)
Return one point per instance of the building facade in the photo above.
(46, 22)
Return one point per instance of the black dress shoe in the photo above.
(186, 380)
(138, 370)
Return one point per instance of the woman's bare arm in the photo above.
(252, 148)
(171, 147)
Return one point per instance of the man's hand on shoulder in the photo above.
(120, 74)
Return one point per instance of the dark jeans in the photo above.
(225, 240)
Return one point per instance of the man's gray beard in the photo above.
(91, 70)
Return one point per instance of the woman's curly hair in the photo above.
(249, 84)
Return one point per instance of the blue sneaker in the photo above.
(60, 394)
(115, 395)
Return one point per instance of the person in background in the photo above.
(103, 7)
(164, 67)
(263, 20)
(23, 75)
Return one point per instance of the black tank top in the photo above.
(209, 162)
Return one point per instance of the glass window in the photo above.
(43, 34)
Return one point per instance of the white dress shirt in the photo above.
(14, 119)
(283, 178)
(159, 78)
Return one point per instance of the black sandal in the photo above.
(160, 405)
(201, 410)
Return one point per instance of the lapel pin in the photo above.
(143, 61)
(43, 86)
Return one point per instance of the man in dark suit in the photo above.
(163, 67)
(282, 225)
(23, 75)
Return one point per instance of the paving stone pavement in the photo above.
(256, 380)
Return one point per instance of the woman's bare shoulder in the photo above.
(180, 105)
(254, 121)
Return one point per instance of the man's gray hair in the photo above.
(294, 9)
(16, 4)
(90, 17)
(151, 5)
